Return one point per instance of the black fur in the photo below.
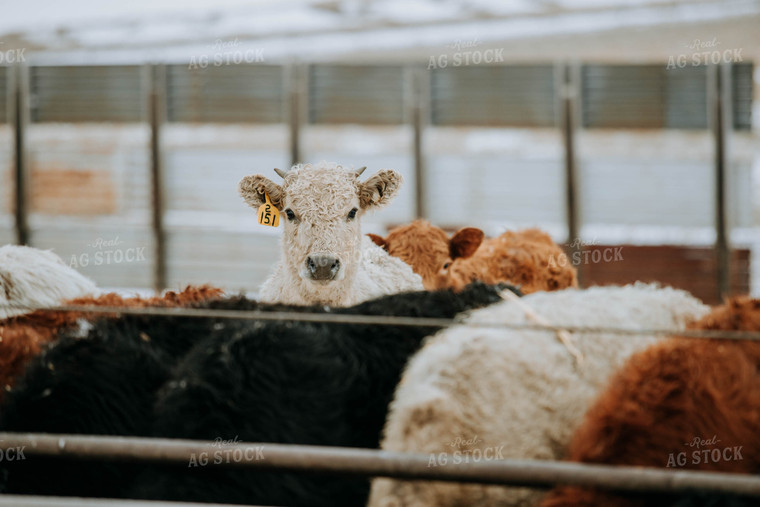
(305, 383)
(101, 384)
(271, 381)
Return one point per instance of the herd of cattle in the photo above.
(601, 397)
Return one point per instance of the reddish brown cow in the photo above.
(22, 337)
(680, 404)
(427, 248)
(527, 258)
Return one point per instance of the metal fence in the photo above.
(525, 96)
(612, 96)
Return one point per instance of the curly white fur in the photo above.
(519, 393)
(321, 198)
(33, 277)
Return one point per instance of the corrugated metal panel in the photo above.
(226, 94)
(521, 96)
(237, 261)
(8, 181)
(686, 98)
(86, 94)
(125, 259)
(612, 187)
(473, 189)
(651, 96)
(207, 179)
(742, 95)
(4, 76)
(7, 235)
(89, 169)
(370, 95)
(623, 96)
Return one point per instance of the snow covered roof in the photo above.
(92, 31)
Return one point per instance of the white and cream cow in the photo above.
(325, 257)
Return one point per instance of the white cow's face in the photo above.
(321, 206)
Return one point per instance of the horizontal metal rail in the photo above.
(367, 462)
(57, 501)
(382, 320)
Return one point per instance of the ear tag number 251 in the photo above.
(268, 213)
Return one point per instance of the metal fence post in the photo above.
(567, 85)
(719, 106)
(157, 115)
(20, 112)
(419, 109)
(297, 107)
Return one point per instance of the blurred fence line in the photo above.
(294, 108)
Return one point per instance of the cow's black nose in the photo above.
(322, 267)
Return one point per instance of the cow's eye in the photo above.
(289, 213)
(446, 266)
(352, 214)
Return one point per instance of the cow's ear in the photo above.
(379, 241)
(465, 242)
(253, 188)
(380, 188)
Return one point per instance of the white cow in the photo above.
(325, 257)
(480, 393)
(33, 277)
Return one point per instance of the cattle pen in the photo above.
(341, 461)
(144, 183)
(507, 253)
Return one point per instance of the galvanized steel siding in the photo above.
(624, 96)
(652, 96)
(614, 96)
(86, 94)
(4, 94)
(742, 95)
(369, 95)
(686, 98)
(225, 94)
(515, 96)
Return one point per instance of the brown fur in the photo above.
(522, 258)
(22, 337)
(670, 394)
(378, 240)
(427, 248)
(375, 190)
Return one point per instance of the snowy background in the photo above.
(638, 186)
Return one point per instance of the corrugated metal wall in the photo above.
(614, 96)
(518, 96)
(226, 94)
(7, 234)
(652, 96)
(89, 153)
(4, 95)
(368, 95)
(742, 95)
(86, 94)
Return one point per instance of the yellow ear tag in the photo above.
(268, 213)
